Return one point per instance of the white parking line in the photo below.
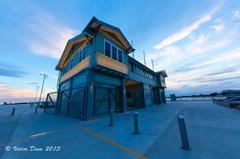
(40, 134)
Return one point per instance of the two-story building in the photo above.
(97, 74)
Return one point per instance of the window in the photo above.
(114, 52)
(107, 49)
(120, 55)
(144, 72)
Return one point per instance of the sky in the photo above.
(196, 42)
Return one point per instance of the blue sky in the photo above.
(196, 42)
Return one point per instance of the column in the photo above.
(123, 95)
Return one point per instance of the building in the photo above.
(96, 74)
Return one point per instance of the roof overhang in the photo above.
(95, 25)
(163, 73)
(81, 38)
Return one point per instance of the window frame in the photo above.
(105, 48)
(117, 50)
(113, 46)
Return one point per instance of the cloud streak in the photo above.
(188, 30)
(219, 73)
(9, 70)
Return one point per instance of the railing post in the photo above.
(135, 119)
(46, 104)
(111, 118)
(13, 112)
(183, 133)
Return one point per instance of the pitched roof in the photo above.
(94, 25)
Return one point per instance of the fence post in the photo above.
(183, 133)
(13, 112)
(46, 104)
(135, 121)
(111, 118)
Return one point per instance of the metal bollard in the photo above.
(111, 118)
(36, 109)
(13, 112)
(135, 119)
(183, 133)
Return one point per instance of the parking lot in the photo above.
(213, 132)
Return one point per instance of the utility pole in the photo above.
(35, 100)
(132, 46)
(44, 77)
(152, 64)
(144, 58)
(35, 84)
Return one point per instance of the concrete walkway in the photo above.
(214, 132)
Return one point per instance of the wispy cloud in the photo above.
(217, 27)
(185, 32)
(206, 61)
(204, 43)
(10, 70)
(237, 13)
(222, 72)
(49, 36)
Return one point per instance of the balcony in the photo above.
(108, 62)
(101, 60)
(79, 67)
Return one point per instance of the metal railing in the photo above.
(69, 101)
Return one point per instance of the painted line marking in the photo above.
(93, 133)
(39, 134)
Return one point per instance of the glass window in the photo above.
(114, 52)
(120, 55)
(107, 49)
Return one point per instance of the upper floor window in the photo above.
(107, 49)
(120, 55)
(113, 51)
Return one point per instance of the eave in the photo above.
(79, 38)
(95, 25)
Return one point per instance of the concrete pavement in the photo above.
(213, 133)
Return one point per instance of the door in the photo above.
(104, 100)
(156, 96)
